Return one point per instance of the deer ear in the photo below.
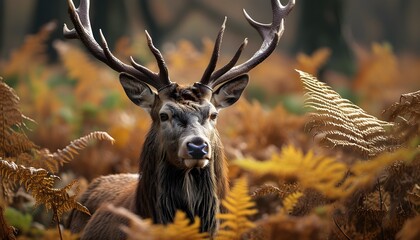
(139, 93)
(229, 92)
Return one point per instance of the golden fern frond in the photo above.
(54, 160)
(239, 206)
(181, 228)
(340, 123)
(32, 52)
(317, 172)
(41, 185)
(290, 202)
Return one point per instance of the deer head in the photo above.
(183, 137)
(185, 115)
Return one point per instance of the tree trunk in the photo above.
(46, 11)
(320, 25)
(111, 17)
(1, 25)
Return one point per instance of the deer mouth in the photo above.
(195, 163)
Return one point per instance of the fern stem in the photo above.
(339, 228)
(58, 222)
(380, 208)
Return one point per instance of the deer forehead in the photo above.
(188, 110)
(187, 101)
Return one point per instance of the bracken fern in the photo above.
(16, 147)
(180, 228)
(239, 207)
(340, 123)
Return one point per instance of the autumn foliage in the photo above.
(305, 162)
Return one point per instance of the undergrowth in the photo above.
(40, 183)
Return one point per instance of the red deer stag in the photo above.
(182, 165)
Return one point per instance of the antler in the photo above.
(270, 34)
(82, 30)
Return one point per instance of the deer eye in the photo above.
(213, 116)
(163, 117)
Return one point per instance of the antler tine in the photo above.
(270, 34)
(82, 30)
(215, 55)
(231, 63)
(163, 69)
(81, 21)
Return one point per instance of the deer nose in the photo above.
(197, 149)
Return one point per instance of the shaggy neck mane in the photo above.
(163, 189)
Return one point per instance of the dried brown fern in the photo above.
(285, 227)
(377, 190)
(41, 185)
(12, 139)
(340, 123)
(261, 132)
(31, 53)
(406, 114)
(414, 196)
(86, 73)
(312, 64)
(16, 147)
(365, 173)
(12, 143)
(55, 160)
(266, 190)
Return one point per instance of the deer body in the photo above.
(182, 165)
(118, 190)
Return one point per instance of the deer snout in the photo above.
(195, 152)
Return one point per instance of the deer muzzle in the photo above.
(195, 152)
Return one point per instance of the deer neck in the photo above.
(191, 191)
(163, 189)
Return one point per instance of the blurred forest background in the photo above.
(368, 51)
(313, 24)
